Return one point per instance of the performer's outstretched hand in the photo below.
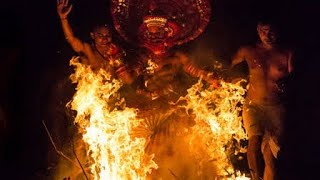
(63, 8)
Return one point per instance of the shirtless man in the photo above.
(263, 111)
(102, 53)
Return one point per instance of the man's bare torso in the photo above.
(268, 68)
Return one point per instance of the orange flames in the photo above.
(106, 123)
(107, 126)
(218, 123)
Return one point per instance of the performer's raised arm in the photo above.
(63, 10)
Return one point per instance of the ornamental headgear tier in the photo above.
(160, 24)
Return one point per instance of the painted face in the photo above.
(267, 34)
(155, 39)
(101, 36)
(157, 34)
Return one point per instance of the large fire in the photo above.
(218, 123)
(108, 126)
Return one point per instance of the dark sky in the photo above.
(34, 54)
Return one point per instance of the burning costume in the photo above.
(157, 26)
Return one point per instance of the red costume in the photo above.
(160, 24)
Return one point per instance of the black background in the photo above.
(34, 54)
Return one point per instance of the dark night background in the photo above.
(34, 55)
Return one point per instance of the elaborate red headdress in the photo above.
(160, 24)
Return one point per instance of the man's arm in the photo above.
(195, 71)
(290, 62)
(239, 57)
(63, 10)
(124, 74)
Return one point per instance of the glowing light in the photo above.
(218, 123)
(106, 124)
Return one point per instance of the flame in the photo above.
(152, 66)
(218, 123)
(240, 176)
(106, 124)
